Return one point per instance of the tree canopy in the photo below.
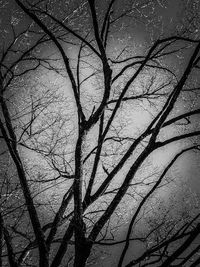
(99, 104)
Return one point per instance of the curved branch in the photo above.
(145, 199)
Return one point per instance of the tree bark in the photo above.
(82, 253)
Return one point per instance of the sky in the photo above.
(164, 19)
(188, 168)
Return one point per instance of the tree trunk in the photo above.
(82, 253)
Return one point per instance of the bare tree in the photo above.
(83, 114)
